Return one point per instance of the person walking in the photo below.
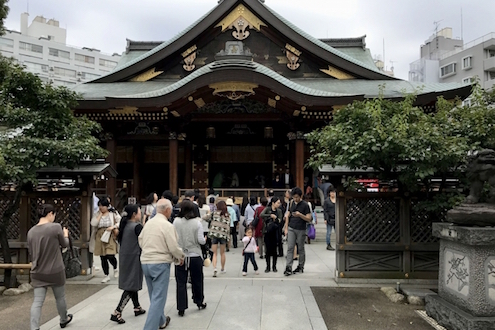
(329, 214)
(296, 219)
(190, 232)
(44, 241)
(249, 213)
(158, 242)
(250, 248)
(219, 234)
(131, 273)
(259, 225)
(272, 216)
(106, 246)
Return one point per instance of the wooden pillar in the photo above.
(299, 170)
(112, 160)
(137, 155)
(188, 165)
(86, 214)
(173, 162)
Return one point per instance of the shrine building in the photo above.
(229, 99)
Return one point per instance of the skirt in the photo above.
(103, 249)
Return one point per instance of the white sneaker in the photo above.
(215, 272)
(96, 268)
(106, 279)
(244, 273)
(257, 272)
(223, 271)
(116, 273)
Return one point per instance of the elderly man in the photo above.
(158, 241)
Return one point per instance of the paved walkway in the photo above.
(266, 301)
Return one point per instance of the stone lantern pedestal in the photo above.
(466, 283)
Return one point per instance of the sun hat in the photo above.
(229, 202)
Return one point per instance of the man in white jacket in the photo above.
(158, 241)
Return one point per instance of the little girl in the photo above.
(250, 248)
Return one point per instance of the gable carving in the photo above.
(233, 90)
(336, 73)
(240, 19)
(148, 75)
(292, 55)
(189, 58)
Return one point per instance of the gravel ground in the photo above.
(365, 309)
(15, 310)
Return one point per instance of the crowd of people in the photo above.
(188, 235)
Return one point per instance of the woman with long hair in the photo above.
(44, 241)
(272, 216)
(190, 233)
(131, 278)
(219, 234)
(151, 201)
(103, 221)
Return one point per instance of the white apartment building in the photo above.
(41, 48)
(447, 60)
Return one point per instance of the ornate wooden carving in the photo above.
(148, 75)
(336, 73)
(189, 58)
(124, 111)
(241, 19)
(233, 90)
(293, 56)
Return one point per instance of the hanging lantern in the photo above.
(210, 133)
(268, 132)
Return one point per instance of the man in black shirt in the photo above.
(297, 217)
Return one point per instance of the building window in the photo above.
(58, 53)
(491, 53)
(90, 76)
(64, 72)
(448, 70)
(4, 42)
(107, 63)
(468, 80)
(35, 67)
(31, 47)
(84, 58)
(467, 62)
(491, 75)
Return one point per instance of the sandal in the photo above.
(139, 311)
(69, 318)
(117, 318)
(167, 321)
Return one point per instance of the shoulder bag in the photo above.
(71, 260)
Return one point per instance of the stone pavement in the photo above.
(265, 301)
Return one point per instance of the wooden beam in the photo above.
(173, 164)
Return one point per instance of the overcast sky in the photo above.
(403, 24)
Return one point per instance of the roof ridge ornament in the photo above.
(241, 19)
(189, 57)
(293, 56)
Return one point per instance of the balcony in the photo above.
(489, 64)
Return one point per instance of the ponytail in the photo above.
(129, 211)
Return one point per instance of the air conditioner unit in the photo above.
(51, 68)
(79, 73)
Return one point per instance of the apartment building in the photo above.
(444, 59)
(41, 47)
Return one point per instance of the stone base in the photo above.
(453, 318)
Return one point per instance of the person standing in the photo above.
(296, 219)
(150, 206)
(158, 242)
(103, 221)
(190, 232)
(329, 214)
(234, 221)
(249, 213)
(258, 226)
(219, 234)
(44, 241)
(131, 273)
(272, 216)
(250, 249)
(288, 179)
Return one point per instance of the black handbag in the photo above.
(72, 261)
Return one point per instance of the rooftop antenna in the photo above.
(437, 24)
(392, 67)
(462, 27)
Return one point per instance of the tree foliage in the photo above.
(4, 11)
(400, 140)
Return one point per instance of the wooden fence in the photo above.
(384, 235)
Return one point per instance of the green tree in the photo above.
(4, 11)
(401, 141)
(37, 129)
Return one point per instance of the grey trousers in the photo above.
(260, 242)
(296, 236)
(39, 298)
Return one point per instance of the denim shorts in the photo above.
(221, 241)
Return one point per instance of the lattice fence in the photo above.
(421, 224)
(372, 220)
(68, 213)
(13, 229)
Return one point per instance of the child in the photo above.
(250, 248)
